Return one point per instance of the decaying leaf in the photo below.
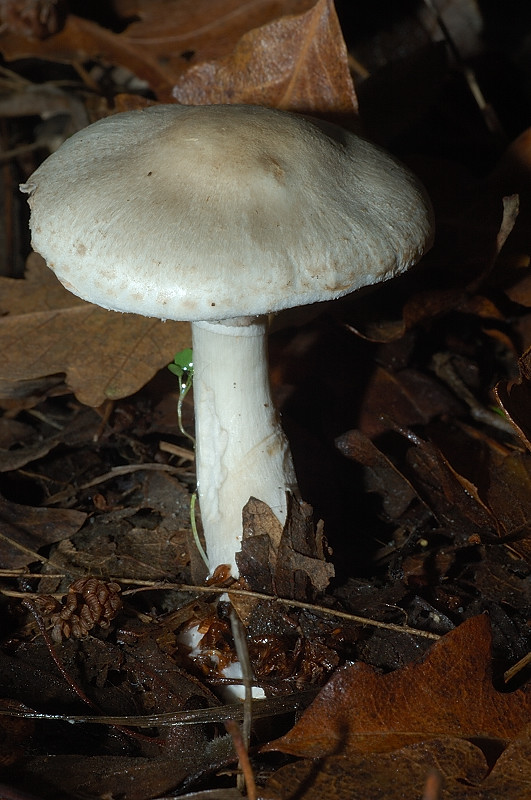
(104, 355)
(462, 766)
(298, 63)
(25, 529)
(161, 41)
(145, 540)
(515, 399)
(287, 561)
(450, 693)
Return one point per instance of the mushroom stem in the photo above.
(241, 450)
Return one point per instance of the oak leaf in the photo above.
(160, 42)
(462, 766)
(298, 63)
(105, 355)
(450, 693)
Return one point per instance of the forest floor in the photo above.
(401, 625)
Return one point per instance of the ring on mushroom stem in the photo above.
(222, 215)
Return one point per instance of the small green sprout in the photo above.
(183, 367)
(499, 411)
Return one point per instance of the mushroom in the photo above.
(222, 215)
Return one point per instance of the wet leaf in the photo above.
(403, 773)
(397, 493)
(515, 399)
(287, 561)
(26, 529)
(450, 693)
(452, 497)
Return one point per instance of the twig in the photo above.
(433, 786)
(510, 673)
(242, 651)
(268, 707)
(243, 758)
(177, 450)
(331, 612)
(287, 602)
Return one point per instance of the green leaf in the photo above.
(182, 362)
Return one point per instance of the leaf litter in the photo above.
(389, 400)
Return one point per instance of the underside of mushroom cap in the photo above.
(209, 212)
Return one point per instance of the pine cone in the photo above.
(89, 602)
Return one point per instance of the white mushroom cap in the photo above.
(215, 212)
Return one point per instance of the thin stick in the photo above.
(242, 651)
(268, 707)
(433, 786)
(243, 758)
(195, 532)
(330, 612)
(509, 674)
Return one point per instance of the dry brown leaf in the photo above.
(165, 38)
(105, 355)
(297, 63)
(25, 529)
(452, 497)
(515, 399)
(403, 773)
(383, 476)
(450, 693)
(505, 490)
(287, 561)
